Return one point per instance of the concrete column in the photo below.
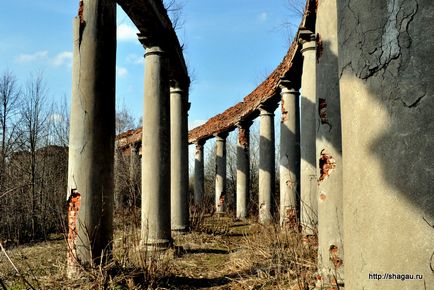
(289, 154)
(387, 105)
(179, 159)
(134, 164)
(155, 232)
(92, 132)
(220, 172)
(199, 175)
(267, 162)
(329, 148)
(117, 180)
(243, 168)
(308, 178)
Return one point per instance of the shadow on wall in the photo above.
(406, 144)
(398, 73)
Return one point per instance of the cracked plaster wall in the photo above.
(386, 83)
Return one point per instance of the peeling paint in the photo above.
(243, 138)
(290, 219)
(82, 22)
(322, 111)
(291, 184)
(284, 112)
(322, 196)
(319, 47)
(326, 165)
(262, 207)
(199, 148)
(334, 257)
(73, 209)
(222, 200)
(80, 11)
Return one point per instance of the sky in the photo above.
(230, 47)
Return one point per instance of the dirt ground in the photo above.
(220, 254)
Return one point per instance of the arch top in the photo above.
(156, 29)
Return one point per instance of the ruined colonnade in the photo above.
(365, 117)
(356, 130)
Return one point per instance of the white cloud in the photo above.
(135, 59)
(262, 17)
(62, 58)
(39, 55)
(121, 71)
(195, 123)
(56, 118)
(126, 32)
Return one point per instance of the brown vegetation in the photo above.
(220, 254)
(33, 161)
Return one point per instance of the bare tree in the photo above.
(33, 166)
(124, 120)
(34, 121)
(59, 123)
(254, 169)
(296, 7)
(209, 168)
(9, 98)
(174, 9)
(295, 11)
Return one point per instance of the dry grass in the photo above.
(219, 254)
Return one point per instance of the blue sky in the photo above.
(230, 47)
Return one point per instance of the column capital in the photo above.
(199, 143)
(178, 86)
(150, 44)
(307, 39)
(306, 35)
(177, 89)
(244, 124)
(288, 87)
(267, 108)
(221, 136)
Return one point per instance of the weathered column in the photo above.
(243, 168)
(267, 162)
(220, 172)
(387, 107)
(289, 154)
(199, 175)
(92, 132)
(179, 158)
(329, 148)
(118, 198)
(308, 178)
(156, 152)
(134, 164)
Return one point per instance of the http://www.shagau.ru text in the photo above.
(394, 276)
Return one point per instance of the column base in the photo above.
(180, 230)
(156, 245)
(220, 211)
(220, 214)
(241, 218)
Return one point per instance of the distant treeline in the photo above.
(33, 160)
